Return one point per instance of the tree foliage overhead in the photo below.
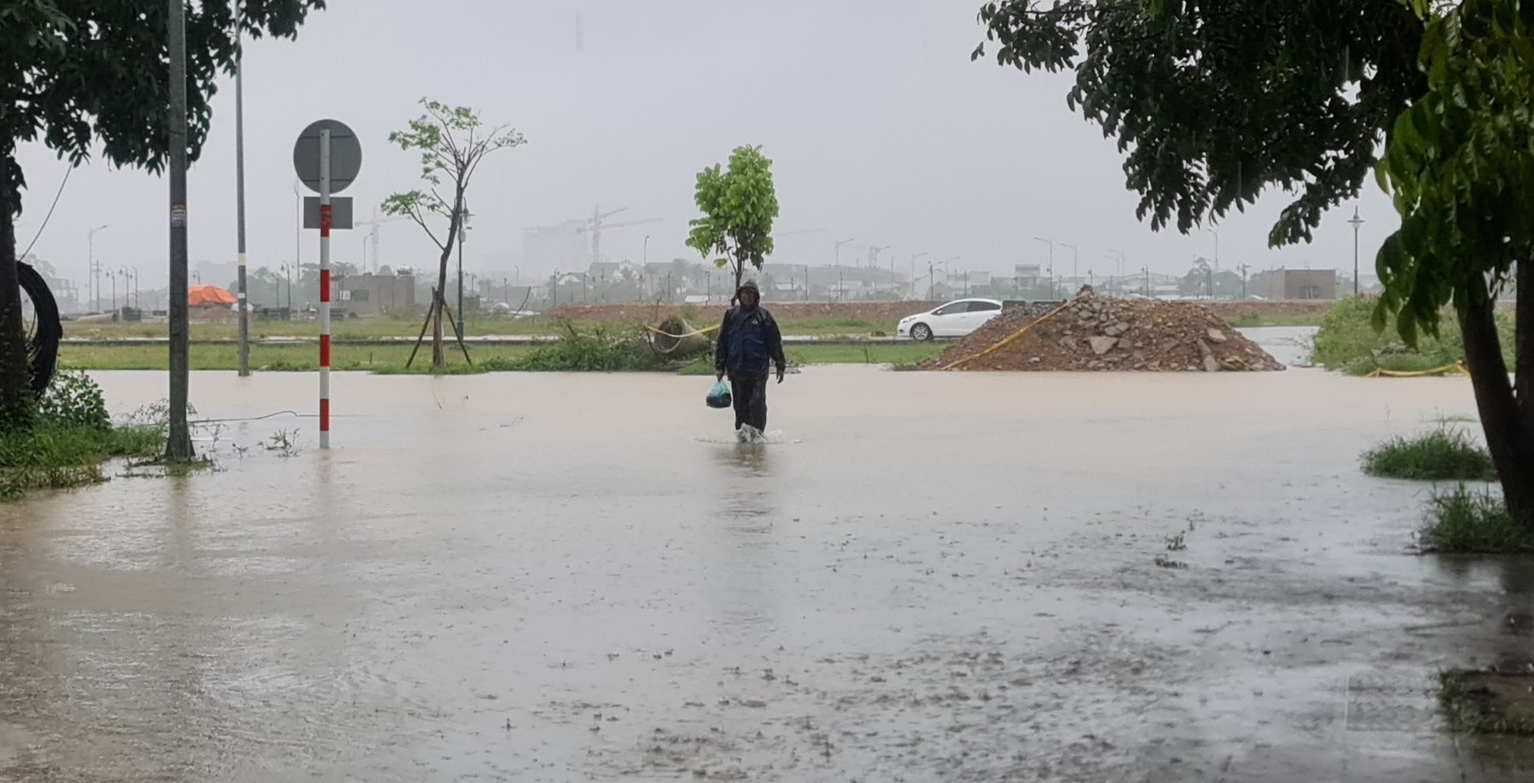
(1212, 101)
(739, 206)
(1460, 165)
(78, 74)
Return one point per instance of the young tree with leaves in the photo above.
(452, 142)
(1460, 166)
(1214, 101)
(739, 206)
(82, 75)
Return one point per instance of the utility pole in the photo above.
(1357, 223)
(914, 256)
(1051, 269)
(90, 241)
(463, 233)
(178, 448)
(839, 268)
(1243, 270)
(242, 296)
(1075, 259)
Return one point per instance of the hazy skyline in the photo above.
(880, 128)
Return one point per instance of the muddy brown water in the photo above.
(929, 577)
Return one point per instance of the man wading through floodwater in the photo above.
(749, 343)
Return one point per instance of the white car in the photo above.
(955, 319)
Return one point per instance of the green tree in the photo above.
(738, 207)
(1460, 166)
(1213, 101)
(452, 142)
(82, 75)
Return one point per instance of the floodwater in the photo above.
(930, 577)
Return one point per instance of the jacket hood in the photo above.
(749, 285)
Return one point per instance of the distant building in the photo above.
(1296, 284)
(563, 247)
(370, 294)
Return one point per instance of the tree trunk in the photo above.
(15, 373)
(1505, 416)
(438, 355)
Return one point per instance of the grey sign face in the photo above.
(345, 156)
(340, 213)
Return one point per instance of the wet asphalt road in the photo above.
(926, 578)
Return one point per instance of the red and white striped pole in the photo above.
(325, 289)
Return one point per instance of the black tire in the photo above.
(44, 334)
(921, 333)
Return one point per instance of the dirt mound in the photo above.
(1094, 334)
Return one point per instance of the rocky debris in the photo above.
(1095, 334)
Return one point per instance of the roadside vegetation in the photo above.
(1445, 454)
(1459, 518)
(1487, 702)
(1347, 341)
(71, 436)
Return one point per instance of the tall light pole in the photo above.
(1118, 255)
(915, 256)
(1357, 223)
(463, 234)
(242, 296)
(839, 268)
(1075, 259)
(1051, 244)
(646, 261)
(95, 274)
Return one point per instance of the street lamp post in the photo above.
(90, 241)
(1216, 262)
(1051, 244)
(915, 256)
(839, 268)
(1357, 223)
(1075, 260)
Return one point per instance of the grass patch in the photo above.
(1487, 702)
(1445, 454)
(1463, 520)
(1347, 341)
(70, 437)
(594, 350)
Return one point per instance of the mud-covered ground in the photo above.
(928, 577)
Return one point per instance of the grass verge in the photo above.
(69, 438)
(1445, 454)
(1467, 521)
(1348, 342)
(390, 359)
(1487, 702)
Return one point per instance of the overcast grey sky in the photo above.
(880, 127)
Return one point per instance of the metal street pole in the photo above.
(90, 267)
(1357, 222)
(325, 220)
(1075, 258)
(839, 268)
(462, 233)
(242, 296)
(178, 448)
(1216, 262)
(1051, 244)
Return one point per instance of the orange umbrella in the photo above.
(208, 295)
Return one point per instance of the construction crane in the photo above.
(597, 224)
(372, 237)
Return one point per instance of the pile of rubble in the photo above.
(1094, 334)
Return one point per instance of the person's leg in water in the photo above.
(740, 398)
(756, 414)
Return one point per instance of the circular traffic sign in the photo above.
(345, 155)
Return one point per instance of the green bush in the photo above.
(70, 436)
(1464, 521)
(1347, 341)
(1444, 454)
(596, 350)
(73, 400)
